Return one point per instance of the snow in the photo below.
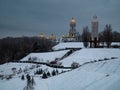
(13, 84)
(115, 43)
(90, 54)
(100, 75)
(112, 44)
(64, 45)
(43, 57)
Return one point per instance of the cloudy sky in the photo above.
(30, 17)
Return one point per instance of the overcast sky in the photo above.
(30, 17)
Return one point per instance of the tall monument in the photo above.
(94, 32)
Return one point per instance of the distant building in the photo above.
(94, 33)
(72, 35)
(52, 37)
(41, 35)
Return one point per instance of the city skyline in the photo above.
(29, 18)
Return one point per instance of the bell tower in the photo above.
(72, 35)
(72, 32)
(94, 32)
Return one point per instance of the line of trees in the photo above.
(86, 36)
(107, 36)
(17, 48)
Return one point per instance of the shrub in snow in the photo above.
(13, 70)
(91, 61)
(32, 58)
(28, 78)
(95, 60)
(100, 59)
(48, 74)
(107, 75)
(19, 71)
(75, 65)
(44, 75)
(57, 59)
(106, 58)
(26, 70)
(38, 65)
(22, 77)
(53, 73)
(53, 62)
(113, 57)
(38, 71)
(29, 59)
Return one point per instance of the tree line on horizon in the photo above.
(17, 48)
(107, 36)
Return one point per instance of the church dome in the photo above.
(73, 21)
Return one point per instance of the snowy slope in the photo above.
(13, 84)
(88, 77)
(46, 56)
(43, 57)
(115, 43)
(112, 44)
(64, 45)
(101, 75)
(90, 54)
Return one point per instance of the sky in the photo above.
(30, 17)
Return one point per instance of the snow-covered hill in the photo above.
(41, 57)
(91, 54)
(98, 75)
(65, 45)
(46, 56)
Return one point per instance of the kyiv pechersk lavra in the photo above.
(52, 37)
(72, 35)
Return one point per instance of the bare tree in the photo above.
(85, 36)
(107, 33)
(30, 83)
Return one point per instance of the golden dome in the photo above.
(41, 35)
(53, 37)
(73, 20)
